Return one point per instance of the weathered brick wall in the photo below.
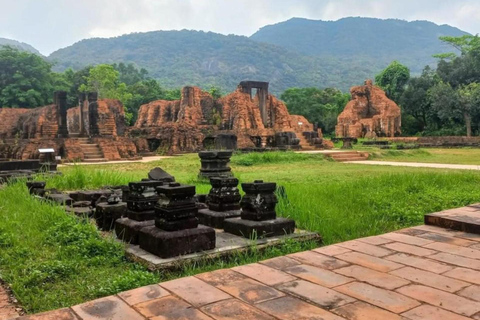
(116, 148)
(9, 119)
(29, 123)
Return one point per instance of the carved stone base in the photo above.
(176, 243)
(259, 229)
(215, 219)
(128, 230)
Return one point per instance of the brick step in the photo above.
(89, 145)
(93, 155)
(465, 219)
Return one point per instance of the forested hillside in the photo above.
(19, 45)
(375, 41)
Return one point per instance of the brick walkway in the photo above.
(423, 273)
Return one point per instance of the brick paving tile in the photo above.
(107, 308)
(195, 291)
(375, 240)
(456, 260)
(332, 250)
(376, 278)
(419, 263)
(234, 310)
(319, 276)
(250, 291)
(218, 277)
(426, 312)
(382, 298)
(322, 296)
(464, 274)
(407, 248)
(264, 274)
(435, 229)
(143, 294)
(450, 240)
(430, 279)
(290, 308)
(61, 314)
(169, 308)
(476, 246)
(318, 260)
(366, 248)
(441, 299)
(472, 292)
(411, 232)
(407, 239)
(459, 251)
(364, 311)
(280, 263)
(365, 260)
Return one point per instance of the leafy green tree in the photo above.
(462, 103)
(393, 80)
(317, 105)
(26, 79)
(129, 74)
(216, 92)
(416, 104)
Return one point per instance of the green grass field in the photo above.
(52, 260)
(430, 155)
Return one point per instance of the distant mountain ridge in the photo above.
(19, 45)
(380, 41)
(294, 53)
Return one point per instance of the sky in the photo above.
(49, 25)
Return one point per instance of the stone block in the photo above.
(128, 230)
(259, 229)
(166, 244)
(215, 219)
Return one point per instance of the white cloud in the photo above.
(51, 24)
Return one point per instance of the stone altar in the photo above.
(176, 231)
(258, 216)
(223, 202)
(215, 163)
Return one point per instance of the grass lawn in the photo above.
(53, 260)
(430, 155)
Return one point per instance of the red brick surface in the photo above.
(421, 273)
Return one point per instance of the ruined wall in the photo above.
(369, 114)
(109, 117)
(116, 148)
(183, 124)
(29, 123)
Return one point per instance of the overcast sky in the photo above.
(49, 25)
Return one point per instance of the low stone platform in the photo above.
(463, 219)
(226, 244)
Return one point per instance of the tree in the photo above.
(416, 102)
(26, 79)
(393, 80)
(318, 106)
(461, 103)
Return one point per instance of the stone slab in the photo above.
(128, 230)
(226, 244)
(215, 219)
(465, 219)
(259, 229)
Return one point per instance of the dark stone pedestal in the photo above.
(128, 230)
(259, 229)
(106, 214)
(60, 198)
(90, 195)
(141, 215)
(215, 219)
(215, 164)
(167, 244)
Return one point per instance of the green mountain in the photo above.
(295, 53)
(19, 45)
(376, 41)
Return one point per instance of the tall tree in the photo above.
(26, 79)
(393, 79)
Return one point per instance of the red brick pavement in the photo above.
(422, 272)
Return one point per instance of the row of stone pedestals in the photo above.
(163, 217)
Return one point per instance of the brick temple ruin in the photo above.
(95, 129)
(369, 114)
